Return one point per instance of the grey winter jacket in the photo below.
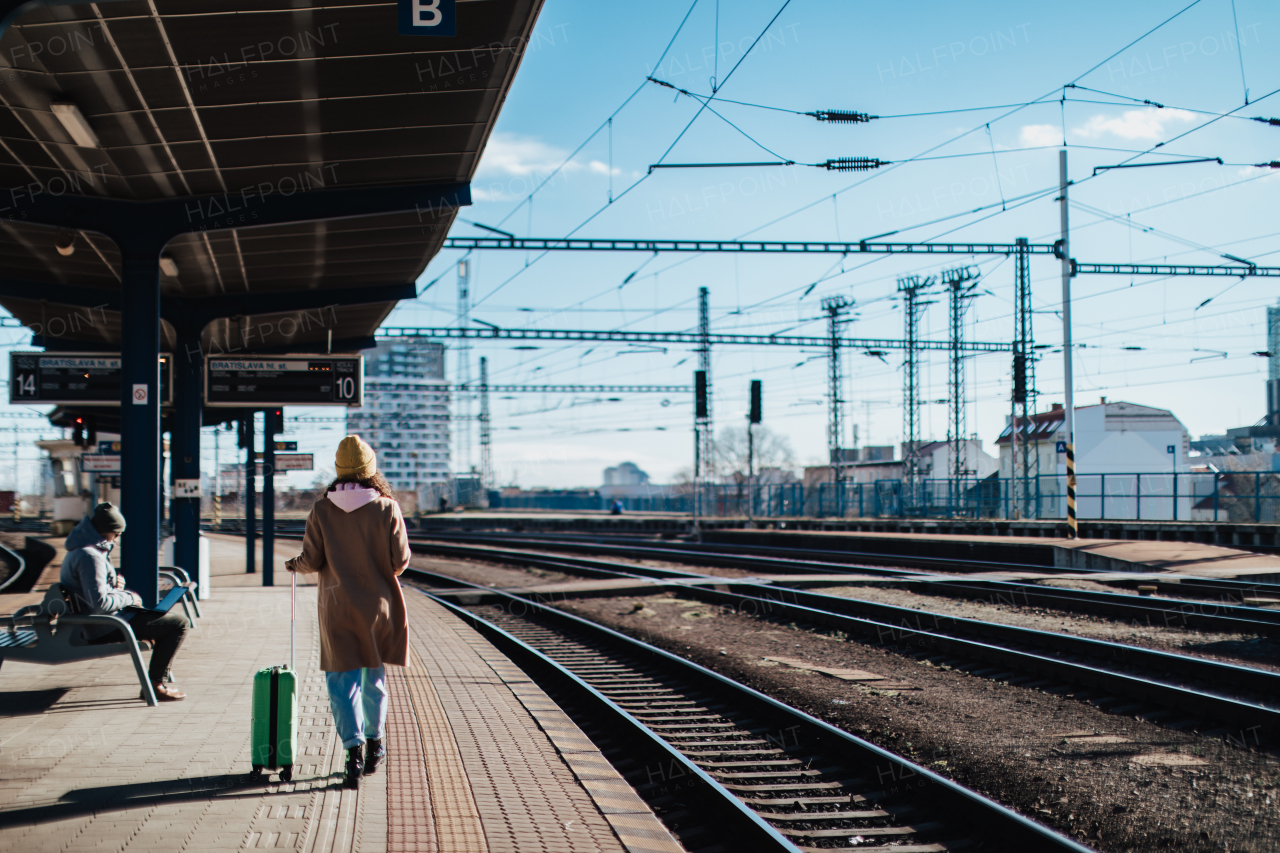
(88, 575)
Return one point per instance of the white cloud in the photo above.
(520, 156)
(601, 168)
(1145, 124)
(1033, 135)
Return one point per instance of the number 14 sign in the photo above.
(428, 18)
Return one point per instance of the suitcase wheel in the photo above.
(256, 773)
(286, 773)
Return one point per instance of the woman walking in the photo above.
(357, 544)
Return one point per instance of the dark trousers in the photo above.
(166, 631)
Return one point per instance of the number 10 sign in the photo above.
(286, 380)
(428, 18)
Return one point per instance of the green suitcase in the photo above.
(274, 740)
(275, 720)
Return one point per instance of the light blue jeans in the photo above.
(358, 699)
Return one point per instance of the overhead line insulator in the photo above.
(1274, 122)
(854, 164)
(845, 116)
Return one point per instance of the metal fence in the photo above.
(1243, 497)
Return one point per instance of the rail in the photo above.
(1182, 682)
(812, 782)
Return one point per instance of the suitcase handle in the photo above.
(293, 616)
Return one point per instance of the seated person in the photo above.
(87, 575)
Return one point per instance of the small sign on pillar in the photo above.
(185, 488)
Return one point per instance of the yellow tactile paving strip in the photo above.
(456, 818)
(539, 784)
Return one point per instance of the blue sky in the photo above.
(895, 61)
(885, 60)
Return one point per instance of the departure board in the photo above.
(287, 380)
(65, 378)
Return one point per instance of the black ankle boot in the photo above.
(374, 754)
(355, 769)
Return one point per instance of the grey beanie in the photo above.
(107, 519)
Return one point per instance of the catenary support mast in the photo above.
(1067, 347)
(707, 444)
(486, 457)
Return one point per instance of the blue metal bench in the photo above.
(179, 577)
(48, 633)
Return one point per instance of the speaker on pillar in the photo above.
(91, 431)
(242, 435)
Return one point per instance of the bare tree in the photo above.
(771, 451)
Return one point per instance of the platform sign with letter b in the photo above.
(428, 17)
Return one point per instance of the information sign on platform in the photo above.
(290, 461)
(288, 446)
(69, 378)
(428, 18)
(105, 463)
(187, 488)
(287, 380)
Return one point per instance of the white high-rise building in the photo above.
(405, 416)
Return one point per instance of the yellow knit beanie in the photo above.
(355, 458)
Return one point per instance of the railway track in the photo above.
(1179, 690)
(782, 560)
(1201, 615)
(729, 768)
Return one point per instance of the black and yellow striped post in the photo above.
(1072, 526)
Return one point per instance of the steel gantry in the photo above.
(835, 306)
(960, 284)
(912, 288)
(575, 389)
(1024, 383)
(866, 247)
(803, 247)
(696, 338)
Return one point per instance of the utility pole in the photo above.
(912, 289)
(707, 444)
(486, 457)
(1067, 346)
(700, 416)
(1024, 377)
(754, 416)
(464, 366)
(250, 484)
(959, 294)
(834, 306)
(217, 478)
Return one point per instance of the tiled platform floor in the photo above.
(481, 760)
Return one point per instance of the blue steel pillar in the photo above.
(184, 459)
(250, 477)
(268, 498)
(140, 468)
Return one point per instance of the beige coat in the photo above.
(358, 556)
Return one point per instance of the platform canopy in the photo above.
(229, 109)
(205, 177)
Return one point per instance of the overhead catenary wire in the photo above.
(1177, 155)
(642, 178)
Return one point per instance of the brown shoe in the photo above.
(165, 693)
